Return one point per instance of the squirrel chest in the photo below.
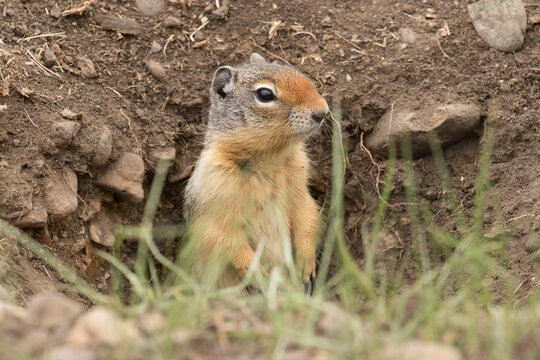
(258, 192)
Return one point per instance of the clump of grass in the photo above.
(355, 312)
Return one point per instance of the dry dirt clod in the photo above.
(49, 58)
(61, 194)
(36, 218)
(56, 12)
(102, 228)
(103, 149)
(451, 123)
(501, 23)
(123, 26)
(88, 70)
(172, 22)
(156, 69)
(63, 133)
(407, 35)
(125, 177)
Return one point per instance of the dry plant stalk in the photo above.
(85, 6)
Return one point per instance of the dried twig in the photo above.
(79, 9)
(306, 33)
(440, 47)
(169, 39)
(43, 68)
(350, 43)
(275, 26)
(59, 34)
(139, 147)
(205, 22)
(29, 118)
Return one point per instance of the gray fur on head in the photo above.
(234, 103)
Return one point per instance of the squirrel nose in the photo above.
(318, 115)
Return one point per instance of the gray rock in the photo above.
(156, 47)
(53, 311)
(156, 69)
(150, 7)
(451, 123)
(61, 194)
(88, 70)
(407, 35)
(102, 228)
(63, 132)
(36, 218)
(501, 23)
(125, 177)
(103, 149)
(172, 22)
(49, 59)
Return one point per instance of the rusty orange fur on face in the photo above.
(299, 90)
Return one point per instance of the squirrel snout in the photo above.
(318, 115)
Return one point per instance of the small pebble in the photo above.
(172, 22)
(49, 59)
(156, 47)
(156, 69)
(88, 71)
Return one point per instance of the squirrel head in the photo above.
(264, 99)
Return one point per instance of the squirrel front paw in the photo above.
(307, 269)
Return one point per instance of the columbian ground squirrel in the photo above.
(249, 186)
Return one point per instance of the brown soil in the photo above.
(351, 49)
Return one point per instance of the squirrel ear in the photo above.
(256, 59)
(224, 80)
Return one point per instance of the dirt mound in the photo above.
(77, 92)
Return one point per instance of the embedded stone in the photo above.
(61, 194)
(102, 228)
(501, 23)
(63, 133)
(103, 149)
(35, 218)
(125, 177)
(450, 122)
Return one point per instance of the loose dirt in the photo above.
(375, 56)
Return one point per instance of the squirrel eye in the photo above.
(265, 95)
